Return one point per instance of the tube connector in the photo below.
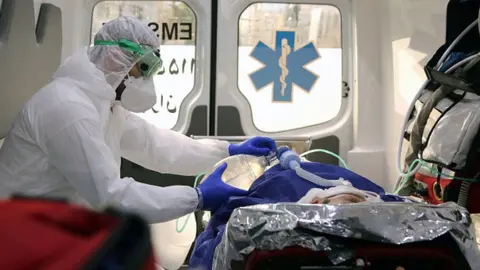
(288, 158)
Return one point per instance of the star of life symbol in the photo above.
(284, 66)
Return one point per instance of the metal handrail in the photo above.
(242, 138)
(289, 140)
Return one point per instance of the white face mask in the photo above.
(139, 94)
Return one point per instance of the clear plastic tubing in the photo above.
(290, 160)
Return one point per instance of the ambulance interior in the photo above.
(353, 71)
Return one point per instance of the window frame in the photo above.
(344, 63)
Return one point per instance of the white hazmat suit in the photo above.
(68, 139)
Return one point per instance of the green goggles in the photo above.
(149, 61)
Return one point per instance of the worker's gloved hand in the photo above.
(256, 146)
(214, 192)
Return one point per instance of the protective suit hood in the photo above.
(80, 71)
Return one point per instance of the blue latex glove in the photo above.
(256, 146)
(214, 192)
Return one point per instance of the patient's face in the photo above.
(339, 199)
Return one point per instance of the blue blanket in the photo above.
(275, 185)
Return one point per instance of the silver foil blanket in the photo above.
(277, 226)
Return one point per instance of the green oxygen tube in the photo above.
(181, 229)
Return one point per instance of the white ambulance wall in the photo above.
(30, 51)
(367, 156)
(413, 31)
(395, 39)
(76, 23)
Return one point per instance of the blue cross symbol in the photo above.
(284, 66)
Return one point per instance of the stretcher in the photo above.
(356, 236)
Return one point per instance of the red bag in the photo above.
(432, 189)
(54, 235)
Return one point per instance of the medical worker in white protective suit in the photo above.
(69, 138)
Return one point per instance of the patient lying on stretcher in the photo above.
(283, 185)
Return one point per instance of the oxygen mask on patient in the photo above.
(243, 170)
